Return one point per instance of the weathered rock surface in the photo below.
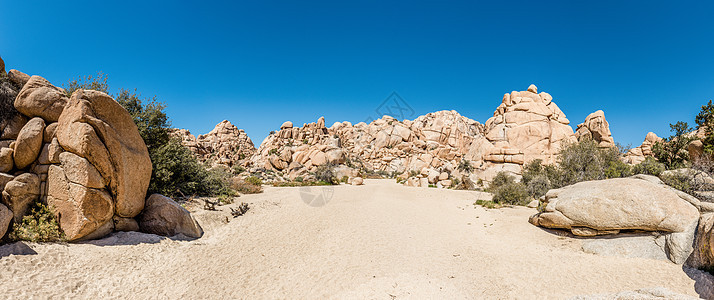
(639, 154)
(97, 128)
(80, 210)
(224, 145)
(5, 218)
(357, 181)
(39, 98)
(29, 143)
(703, 255)
(596, 128)
(18, 77)
(20, 193)
(612, 205)
(163, 216)
(6, 161)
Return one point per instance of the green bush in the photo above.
(584, 160)
(298, 179)
(501, 179)
(97, 83)
(249, 185)
(324, 173)
(672, 151)
(705, 121)
(513, 193)
(254, 180)
(540, 178)
(650, 166)
(679, 180)
(538, 186)
(38, 226)
(465, 166)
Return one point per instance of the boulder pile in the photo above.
(437, 149)
(224, 145)
(82, 155)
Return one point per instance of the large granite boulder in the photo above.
(20, 193)
(609, 206)
(39, 98)
(29, 143)
(163, 216)
(97, 128)
(5, 218)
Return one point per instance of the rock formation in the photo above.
(609, 206)
(164, 216)
(428, 150)
(597, 129)
(81, 155)
(224, 145)
(639, 154)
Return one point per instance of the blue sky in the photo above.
(259, 63)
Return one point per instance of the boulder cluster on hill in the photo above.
(82, 155)
(436, 149)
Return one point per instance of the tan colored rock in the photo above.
(80, 210)
(125, 224)
(533, 89)
(696, 148)
(11, 130)
(29, 143)
(2, 66)
(596, 128)
(622, 204)
(18, 77)
(5, 218)
(50, 132)
(225, 144)
(120, 155)
(80, 171)
(163, 216)
(638, 154)
(6, 160)
(20, 193)
(286, 125)
(357, 181)
(39, 98)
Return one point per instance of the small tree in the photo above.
(705, 121)
(672, 151)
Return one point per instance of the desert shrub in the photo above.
(584, 160)
(38, 226)
(177, 172)
(650, 166)
(249, 185)
(501, 179)
(538, 186)
(540, 178)
(324, 173)
(465, 166)
(97, 83)
(513, 193)
(8, 92)
(299, 179)
(149, 117)
(344, 179)
(705, 121)
(672, 151)
(679, 180)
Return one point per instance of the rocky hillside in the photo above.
(438, 146)
(225, 145)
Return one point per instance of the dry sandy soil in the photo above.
(377, 241)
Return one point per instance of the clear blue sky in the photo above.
(259, 63)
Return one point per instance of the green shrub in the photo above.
(540, 178)
(299, 179)
(254, 180)
(250, 185)
(501, 179)
(672, 151)
(38, 226)
(324, 173)
(97, 83)
(538, 186)
(465, 166)
(679, 180)
(650, 166)
(344, 179)
(513, 193)
(584, 160)
(705, 121)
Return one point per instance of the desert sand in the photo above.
(377, 241)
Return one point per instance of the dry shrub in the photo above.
(250, 185)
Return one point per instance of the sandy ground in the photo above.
(377, 241)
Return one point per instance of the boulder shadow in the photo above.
(703, 282)
(16, 248)
(130, 238)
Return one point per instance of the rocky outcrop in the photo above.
(639, 154)
(82, 155)
(163, 216)
(224, 145)
(597, 129)
(609, 206)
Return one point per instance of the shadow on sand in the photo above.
(17, 248)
